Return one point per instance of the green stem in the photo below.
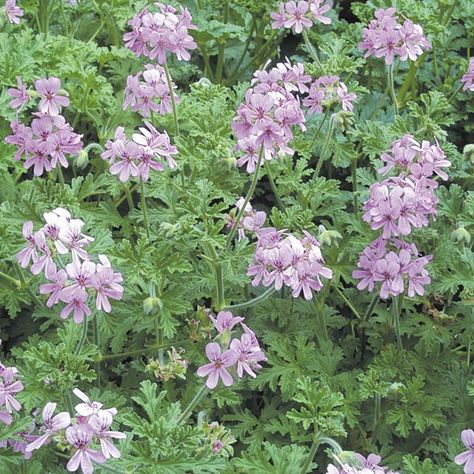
(173, 102)
(355, 186)
(322, 157)
(244, 52)
(346, 300)
(144, 209)
(334, 444)
(273, 186)
(397, 307)
(316, 135)
(221, 49)
(83, 337)
(451, 97)
(392, 87)
(60, 174)
(65, 22)
(25, 286)
(126, 196)
(311, 48)
(218, 270)
(252, 302)
(311, 454)
(95, 329)
(371, 307)
(377, 414)
(250, 192)
(101, 357)
(196, 399)
(16, 283)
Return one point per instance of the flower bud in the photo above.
(230, 161)
(328, 237)
(152, 304)
(204, 82)
(468, 151)
(32, 93)
(343, 120)
(82, 159)
(461, 234)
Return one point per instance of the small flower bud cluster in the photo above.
(242, 354)
(282, 259)
(150, 94)
(166, 31)
(250, 221)
(219, 438)
(385, 37)
(468, 78)
(9, 387)
(396, 206)
(174, 368)
(358, 464)
(300, 14)
(147, 150)
(326, 91)
(88, 433)
(49, 139)
(62, 236)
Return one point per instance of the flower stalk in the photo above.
(322, 157)
(173, 103)
(392, 87)
(196, 399)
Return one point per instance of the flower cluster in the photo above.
(166, 31)
(300, 14)
(244, 353)
(150, 94)
(264, 122)
(326, 91)
(49, 139)
(250, 221)
(359, 465)
(86, 433)
(174, 368)
(282, 259)
(13, 11)
(71, 284)
(396, 206)
(9, 387)
(219, 438)
(467, 457)
(147, 150)
(385, 37)
(468, 78)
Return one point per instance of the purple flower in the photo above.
(217, 368)
(225, 321)
(13, 12)
(300, 14)
(467, 457)
(106, 284)
(101, 422)
(468, 78)
(88, 407)
(80, 437)
(249, 354)
(38, 156)
(9, 387)
(59, 279)
(51, 425)
(77, 303)
(51, 101)
(20, 95)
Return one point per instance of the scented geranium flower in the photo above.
(468, 78)
(21, 137)
(296, 263)
(38, 156)
(13, 11)
(101, 422)
(9, 387)
(385, 37)
(264, 122)
(89, 407)
(151, 94)
(467, 457)
(76, 302)
(248, 353)
(51, 425)
(20, 95)
(326, 91)
(55, 288)
(80, 437)
(34, 245)
(225, 321)
(51, 98)
(251, 220)
(105, 282)
(217, 368)
(300, 14)
(156, 34)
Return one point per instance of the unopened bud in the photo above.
(329, 237)
(468, 151)
(461, 234)
(343, 120)
(204, 82)
(152, 304)
(82, 159)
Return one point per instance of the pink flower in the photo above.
(225, 321)
(101, 422)
(249, 355)
(13, 12)
(467, 457)
(76, 302)
(89, 407)
(51, 101)
(80, 437)
(9, 387)
(21, 138)
(51, 425)
(20, 95)
(106, 284)
(468, 78)
(300, 14)
(59, 279)
(296, 14)
(318, 9)
(217, 368)
(38, 156)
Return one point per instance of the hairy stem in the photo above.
(196, 399)
(273, 186)
(218, 270)
(173, 102)
(392, 87)
(348, 303)
(322, 157)
(311, 454)
(311, 48)
(144, 209)
(83, 337)
(25, 286)
(397, 309)
(95, 329)
(252, 302)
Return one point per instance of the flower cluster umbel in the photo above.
(147, 150)
(9, 387)
(151, 94)
(71, 284)
(283, 259)
(243, 353)
(396, 206)
(300, 14)
(88, 432)
(166, 31)
(358, 464)
(385, 37)
(49, 139)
